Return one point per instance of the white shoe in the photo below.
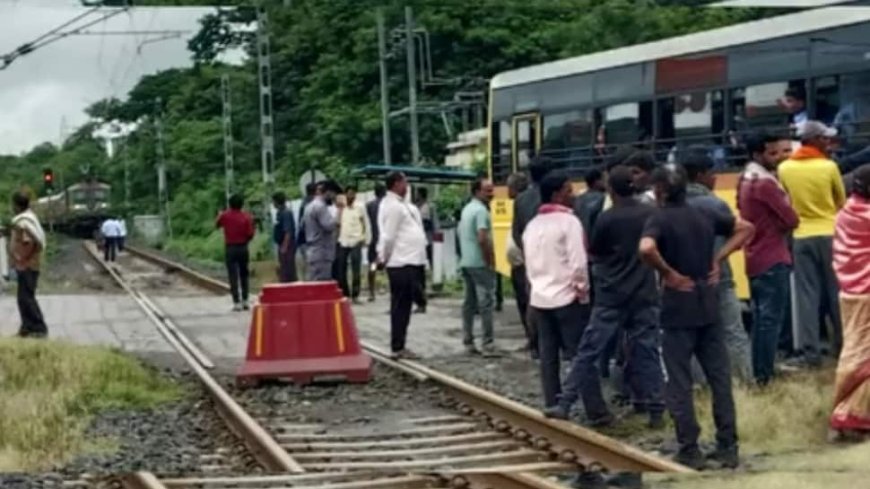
(237, 307)
(246, 306)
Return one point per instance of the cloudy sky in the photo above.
(45, 92)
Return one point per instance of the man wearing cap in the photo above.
(815, 186)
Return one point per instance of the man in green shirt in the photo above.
(477, 263)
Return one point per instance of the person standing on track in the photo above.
(111, 232)
(627, 299)
(763, 201)
(238, 228)
(321, 231)
(283, 234)
(355, 232)
(477, 263)
(678, 242)
(814, 183)
(372, 253)
(556, 265)
(402, 250)
(26, 246)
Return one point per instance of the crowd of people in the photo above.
(633, 275)
(326, 240)
(634, 272)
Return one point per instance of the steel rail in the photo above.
(262, 446)
(570, 442)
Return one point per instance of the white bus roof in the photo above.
(745, 33)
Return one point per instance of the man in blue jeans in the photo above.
(626, 297)
(764, 202)
(477, 262)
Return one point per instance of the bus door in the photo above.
(526, 139)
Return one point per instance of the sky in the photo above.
(43, 94)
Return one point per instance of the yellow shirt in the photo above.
(354, 226)
(816, 190)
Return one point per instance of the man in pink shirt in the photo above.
(556, 266)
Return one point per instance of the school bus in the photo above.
(708, 89)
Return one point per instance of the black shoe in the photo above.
(589, 480)
(627, 480)
(692, 458)
(725, 457)
(602, 421)
(556, 411)
(656, 421)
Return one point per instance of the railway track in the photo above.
(480, 440)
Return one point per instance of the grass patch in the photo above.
(783, 437)
(789, 415)
(49, 391)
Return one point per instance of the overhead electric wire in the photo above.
(55, 35)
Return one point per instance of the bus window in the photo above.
(526, 139)
(567, 137)
(692, 119)
(848, 104)
(827, 98)
(629, 123)
(501, 151)
(771, 106)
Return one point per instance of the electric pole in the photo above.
(412, 85)
(385, 96)
(267, 140)
(228, 137)
(162, 195)
(126, 157)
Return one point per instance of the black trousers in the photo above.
(287, 266)
(355, 255)
(559, 329)
(237, 259)
(110, 248)
(404, 286)
(707, 343)
(32, 322)
(521, 294)
(420, 287)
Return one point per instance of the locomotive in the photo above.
(78, 209)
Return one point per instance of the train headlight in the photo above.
(79, 207)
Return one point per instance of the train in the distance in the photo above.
(78, 209)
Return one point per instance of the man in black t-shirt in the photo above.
(626, 296)
(678, 242)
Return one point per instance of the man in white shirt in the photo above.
(111, 232)
(354, 232)
(402, 250)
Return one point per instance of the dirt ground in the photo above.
(68, 269)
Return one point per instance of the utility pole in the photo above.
(412, 85)
(228, 136)
(162, 195)
(267, 141)
(385, 96)
(126, 157)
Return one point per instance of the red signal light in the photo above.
(48, 177)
